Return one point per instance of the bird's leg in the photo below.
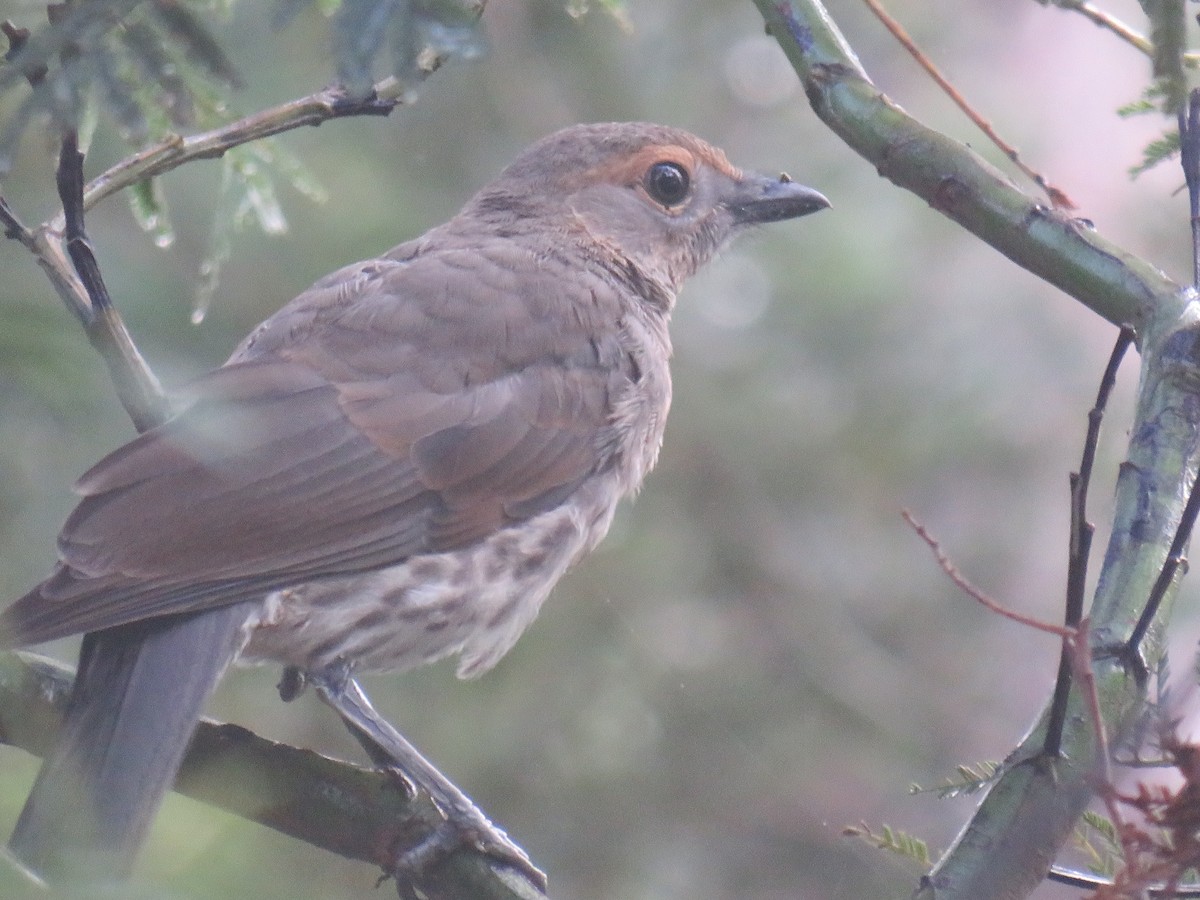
(464, 825)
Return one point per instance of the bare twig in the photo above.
(1074, 637)
(1079, 880)
(13, 227)
(138, 388)
(136, 385)
(1189, 159)
(1080, 542)
(1076, 641)
(1072, 878)
(1108, 22)
(1081, 664)
(973, 592)
(1127, 33)
(1057, 197)
(173, 151)
(1175, 559)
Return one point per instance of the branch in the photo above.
(137, 387)
(1057, 197)
(956, 181)
(173, 151)
(1079, 543)
(1010, 842)
(1108, 22)
(359, 813)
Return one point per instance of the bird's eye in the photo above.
(668, 183)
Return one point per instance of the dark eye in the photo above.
(668, 183)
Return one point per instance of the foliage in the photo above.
(893, 840)
(1097, 838)
(969, 780)
(145, 64)
(153, 66)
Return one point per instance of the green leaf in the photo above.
(893, 840)
(1168, 34)
(1096, 837)
(968, 780)
(617, 9)
(248, 194)
(1156, 152)
(149, 208)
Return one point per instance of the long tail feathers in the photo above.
(138, 694)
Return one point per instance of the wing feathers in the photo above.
(274, 476)
(405, 405)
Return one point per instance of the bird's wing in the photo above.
(289, 466)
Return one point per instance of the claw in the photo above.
(463, 826)
(465, 830)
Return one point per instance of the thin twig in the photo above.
(1082, 665)
(137, 387)
(1075, 642)
(973, 592)
(14, 229)
(1108, 22)
(1058, 198)
(173, 151)
(1081, 541)
(1189, 160)
(1072, 878)
(1111, 23)
(1175, 559)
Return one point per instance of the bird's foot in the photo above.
(463, 825)
(464, 828)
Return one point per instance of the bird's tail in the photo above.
(138, 694)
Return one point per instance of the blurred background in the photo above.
(761, 653)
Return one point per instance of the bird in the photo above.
(395, 467)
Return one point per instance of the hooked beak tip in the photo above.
(760, 200)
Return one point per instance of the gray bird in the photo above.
(396, 467)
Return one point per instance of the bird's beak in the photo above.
(758, 199)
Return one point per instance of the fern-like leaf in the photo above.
(894, 841)
(1157, 151)
(967, 780)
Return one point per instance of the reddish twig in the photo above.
(1058, 198)
(973, 592)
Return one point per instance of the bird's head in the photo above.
(655, 197)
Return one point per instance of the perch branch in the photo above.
(359, 813)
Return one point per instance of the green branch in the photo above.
(956, 181)
(1007, 847)
(359, 813)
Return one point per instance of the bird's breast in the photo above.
(475, 601)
